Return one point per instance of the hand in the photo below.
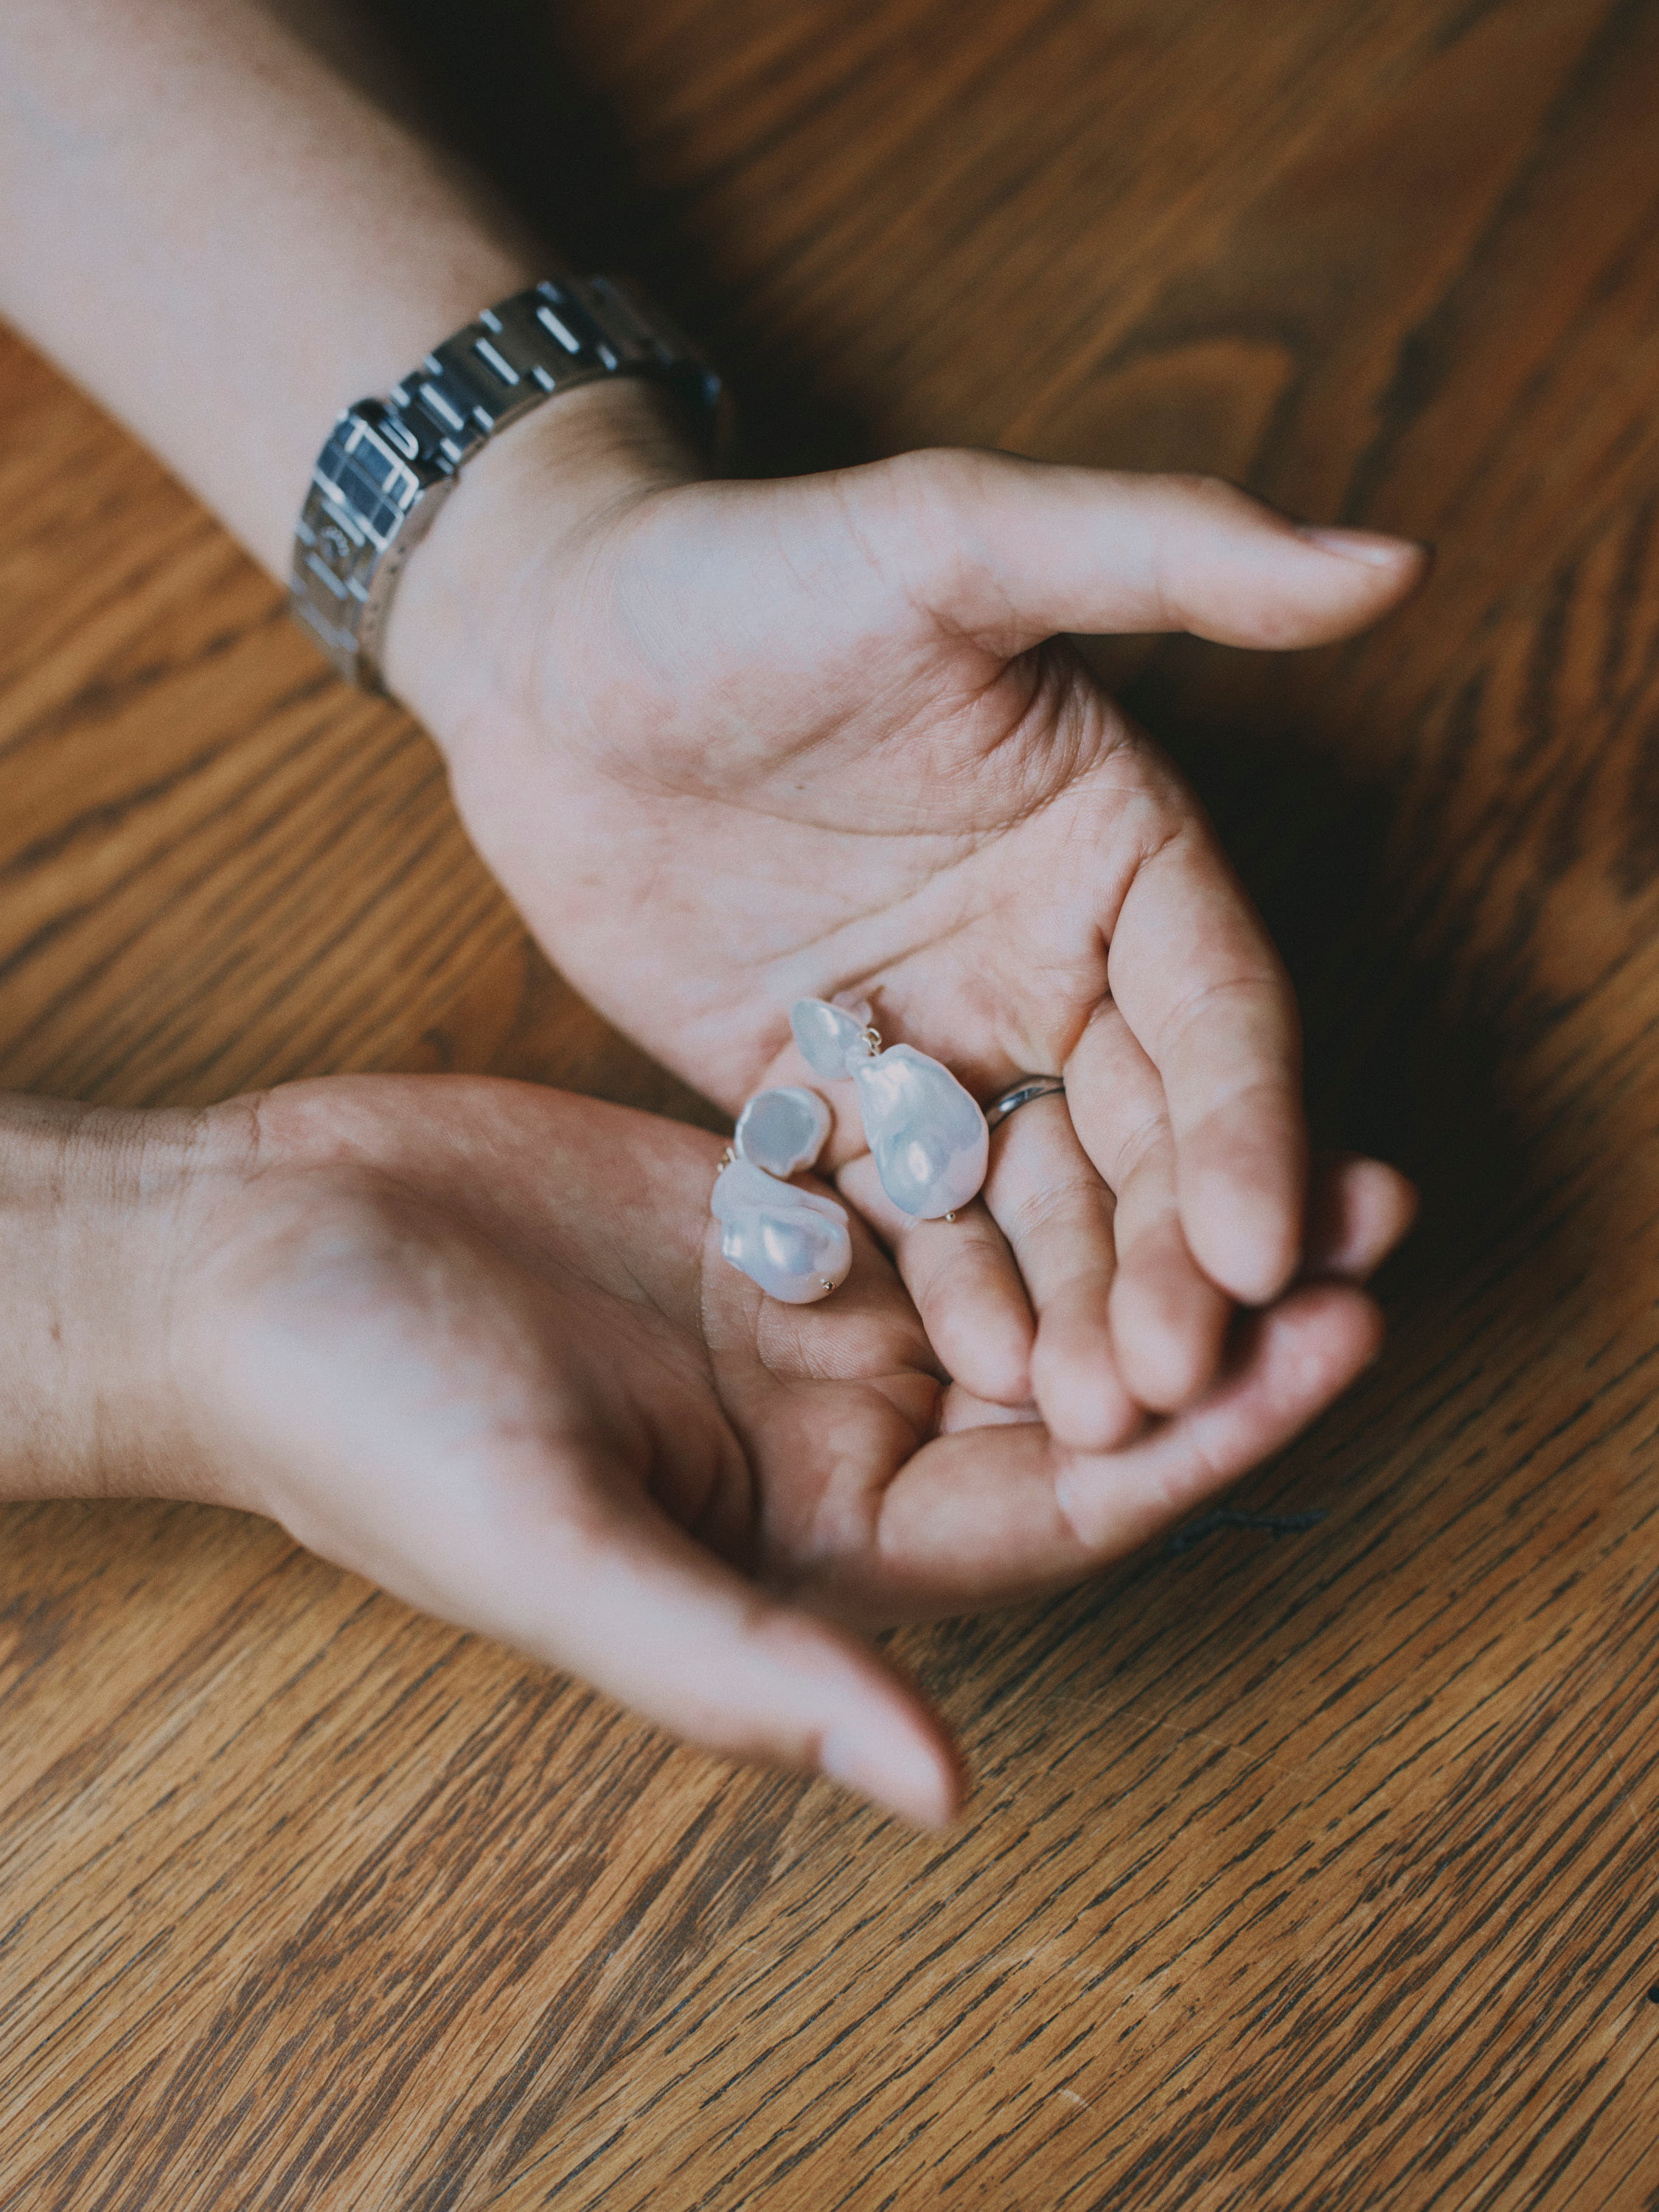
(727, 743)
(475, 1341)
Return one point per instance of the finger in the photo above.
(446, 1455)
(709, 1657)
(1291, 1363)
(989, 1515)
(964, 1284)
(1196, 977)
(1358, 1211)
(609, 1589)
(1168, 1319)
(1047, 1197)
(1014, 551)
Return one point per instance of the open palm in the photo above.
(475, 1341)
(730, 743)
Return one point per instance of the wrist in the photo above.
(518, 529)
(96, 1209)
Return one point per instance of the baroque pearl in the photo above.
(928, 1136)
(834, 1039)
(782, 1131)
(792, 1242)
(929, 1139)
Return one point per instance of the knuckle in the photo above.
(1221, 498)
(1077, 1203)
(1143, 1146)
(947, 474)
(940, 494)
(1257, 998)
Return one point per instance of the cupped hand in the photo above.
(728, 744)
(475, 1341)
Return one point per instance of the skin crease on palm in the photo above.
(475, 1340)
(727, 744)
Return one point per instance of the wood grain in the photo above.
(1302, 1873)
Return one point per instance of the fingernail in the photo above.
(1370, 546)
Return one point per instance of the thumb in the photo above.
(1014, 551)
(615, 1592)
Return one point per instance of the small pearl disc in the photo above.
(782, 1131)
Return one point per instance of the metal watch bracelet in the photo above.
(390, 464)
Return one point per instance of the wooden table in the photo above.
(1307, 1871)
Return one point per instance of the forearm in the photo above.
(94, 1207)
(225, 239)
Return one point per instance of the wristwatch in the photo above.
(390, 464)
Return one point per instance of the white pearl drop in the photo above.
(930, 1141)
(782, 1131)
(832, 1038)
(792, 1242)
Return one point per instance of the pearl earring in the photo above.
(928, 1136)
(791, 1242)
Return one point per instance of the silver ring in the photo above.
(1021, 1093)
